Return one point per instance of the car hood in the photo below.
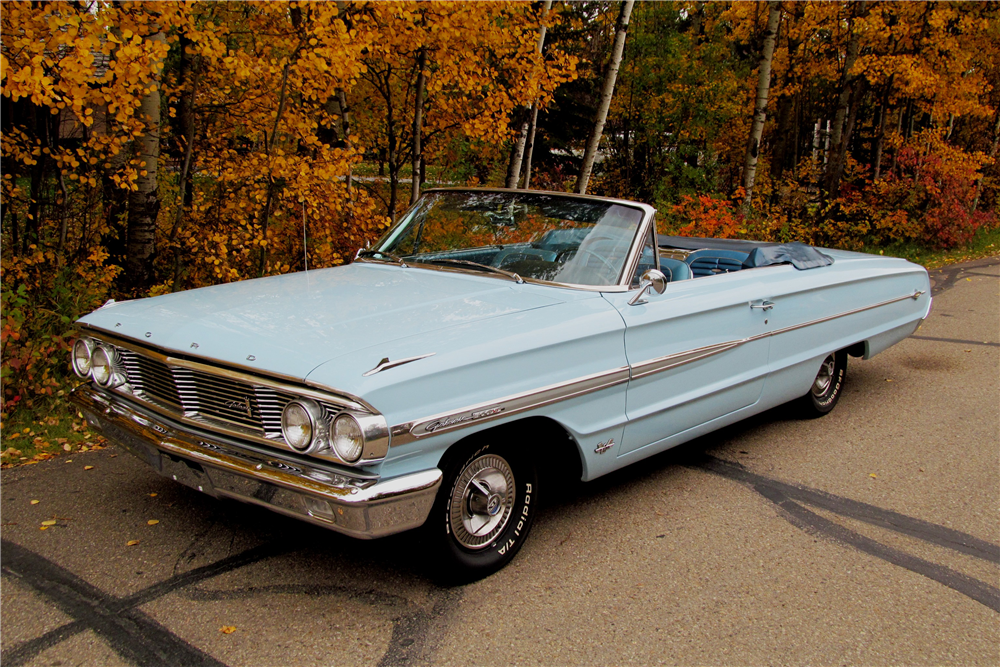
(293, 323)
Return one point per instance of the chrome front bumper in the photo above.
(360, 506)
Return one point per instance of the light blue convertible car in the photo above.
(490, 339)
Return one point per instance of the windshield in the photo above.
(537, 236)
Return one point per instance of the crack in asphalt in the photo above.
(944, 279)
(412, 623)
(132, 634)
(784, 495)
(142, 641)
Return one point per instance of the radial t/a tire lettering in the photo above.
(483, 512)
(827, 387)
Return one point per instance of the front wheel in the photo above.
(827, 387)
(483, 512)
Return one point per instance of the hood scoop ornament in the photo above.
(385, 364)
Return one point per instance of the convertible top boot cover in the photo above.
(799, 255)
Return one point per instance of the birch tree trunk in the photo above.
(760, 108)
(514, 166)
(531, 145)
(532, 126)
(846, 101)
(418, 126)
(607, 92)
(144, 202)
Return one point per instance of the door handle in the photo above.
(762, 304)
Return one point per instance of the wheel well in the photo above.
(859, 349)
(552, 446)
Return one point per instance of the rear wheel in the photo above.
(483, 512)
(827, 387)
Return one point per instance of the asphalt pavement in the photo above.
(868, 537)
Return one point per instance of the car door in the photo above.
(697, 352)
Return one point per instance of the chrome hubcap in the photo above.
(825, 377)
(482, 501)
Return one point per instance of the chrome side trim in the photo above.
(915, 294)
(529, 400)
(508, 405)
(660, 364)
(385, 364)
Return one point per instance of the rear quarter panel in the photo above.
(818, 311)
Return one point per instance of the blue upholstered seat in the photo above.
(712, 261)
(675, 269)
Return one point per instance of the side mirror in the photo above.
(651, 280)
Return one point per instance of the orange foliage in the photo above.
(706, 216)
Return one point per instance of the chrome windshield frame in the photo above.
(623, 284)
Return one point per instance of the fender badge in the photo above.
(250, 357)
(604, 446)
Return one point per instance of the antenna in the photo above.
(305, 240)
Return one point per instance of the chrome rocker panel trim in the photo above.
(359, 506)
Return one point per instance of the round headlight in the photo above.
(299, 424)
(82, 350)
(348, 439)
(100, 366)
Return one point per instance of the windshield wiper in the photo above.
(474, 265)
(378, 253)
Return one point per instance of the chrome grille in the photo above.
(150, 379)
(219, 398)
(233, 404)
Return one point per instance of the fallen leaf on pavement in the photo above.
(227, 629)
(50, 522)
(88, 467)
(152, 495)
(67, 448)
(35, 502)
(152, 522)
(132, 543)
(873, 475)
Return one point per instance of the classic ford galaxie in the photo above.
(489, 337)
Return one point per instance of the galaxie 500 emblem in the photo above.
(243, 406)
(446, 422)
(604, 446)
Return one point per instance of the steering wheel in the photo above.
(583, 248)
